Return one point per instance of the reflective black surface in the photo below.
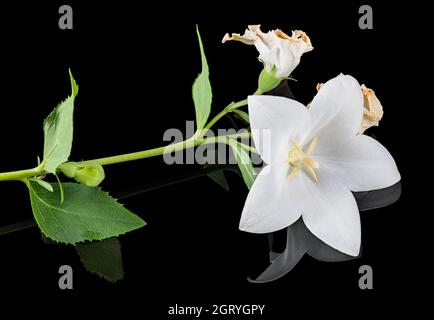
(300, 241)
(123, 55)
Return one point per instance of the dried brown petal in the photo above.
(373, 110)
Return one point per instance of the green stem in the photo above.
(21, 174)
(231, 107)
(187, 144)
(221, 114)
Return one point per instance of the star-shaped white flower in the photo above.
(315, 159)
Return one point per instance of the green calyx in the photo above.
(267, 80)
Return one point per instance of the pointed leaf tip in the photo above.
(202, 91)
(74, 85)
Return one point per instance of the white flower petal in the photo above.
(287, 61)
(267, 55)
(331, 213)
(274, 201)
(278, 52)
(274, 120)
(337, 109)
(360, 163)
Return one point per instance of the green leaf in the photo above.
(74, 86)
(244, 163)
(103, 258)
(202, 93)
(58, 129)
(219, 178)
(58, 135)
(43, 184)
(86, 213)
(242, 114)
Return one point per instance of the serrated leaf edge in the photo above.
(96, 239)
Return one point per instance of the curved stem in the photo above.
(225, 111)
(186, 144)
(222, 113)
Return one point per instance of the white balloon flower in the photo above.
(314, 160)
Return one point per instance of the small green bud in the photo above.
(267, 80)
(90, 173)
(69, 168)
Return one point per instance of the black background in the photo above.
(135, 66)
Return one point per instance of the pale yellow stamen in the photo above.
(299, 158)
(312, 145)
(311, 171)
(293, 172)
(296, 146)
(310, 162)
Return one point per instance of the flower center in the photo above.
(299, 157)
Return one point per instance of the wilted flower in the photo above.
(373, 110)
(276, 49)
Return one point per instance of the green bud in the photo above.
(69, 168)
(267, 80)
(89, 173)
